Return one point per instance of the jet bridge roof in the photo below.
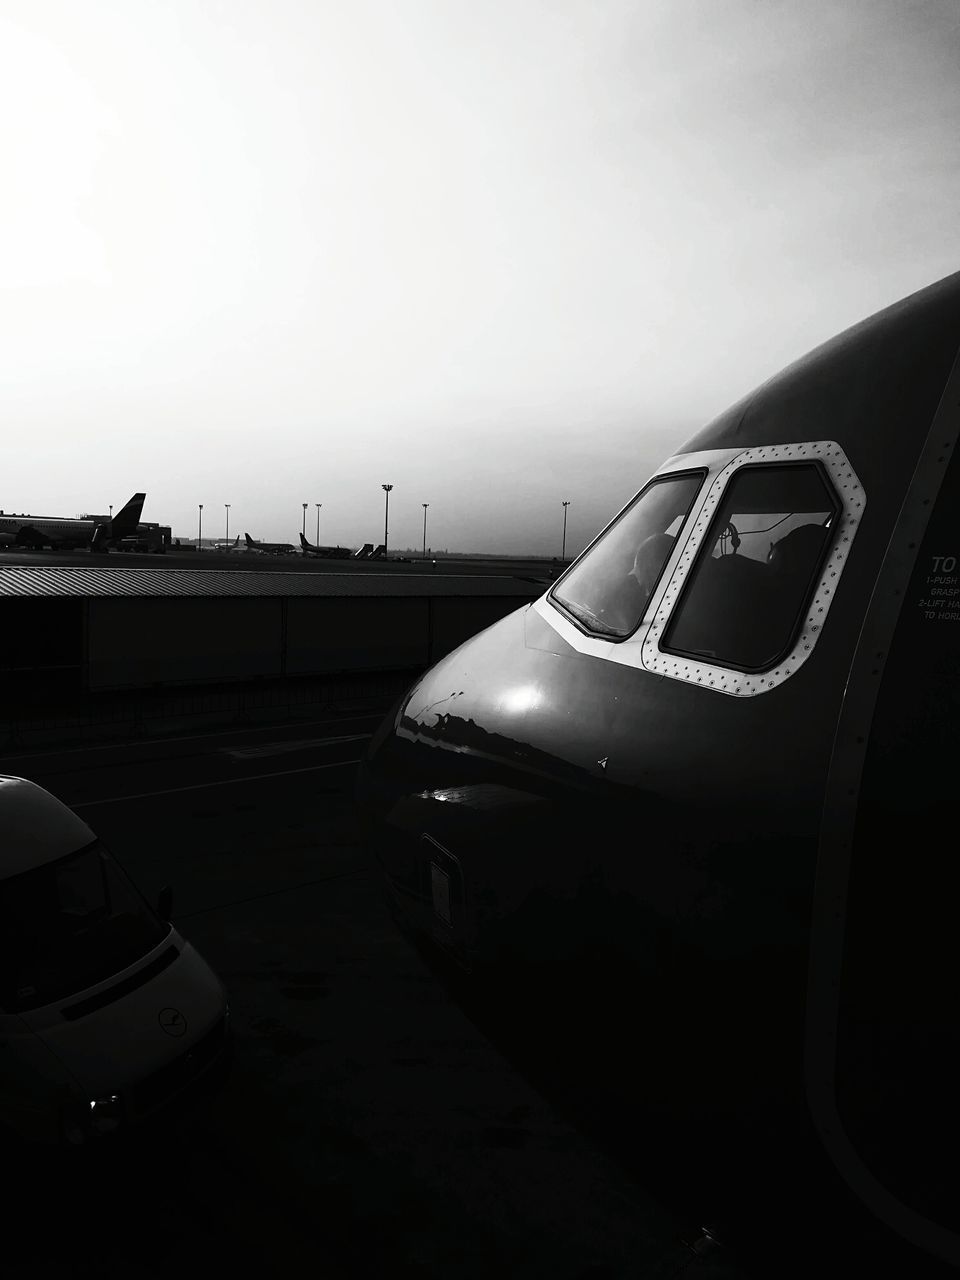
(42, 580)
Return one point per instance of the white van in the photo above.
(108, 1018)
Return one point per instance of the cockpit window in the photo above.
(608, 589)
(747, 593)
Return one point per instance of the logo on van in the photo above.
(172, 1022)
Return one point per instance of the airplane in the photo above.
(63, 534)
(327, 553)
(223, 544)
(269, 548)
(702, 788)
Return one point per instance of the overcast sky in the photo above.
(498, 254)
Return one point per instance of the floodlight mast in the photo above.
(386, 514)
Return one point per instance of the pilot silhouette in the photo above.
(652, 555)
(796, 554)
(792, 562)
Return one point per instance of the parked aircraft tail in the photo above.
(125, 522)
(123, 525)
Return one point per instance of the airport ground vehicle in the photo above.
(149, 539)
(720, 752)
(108, 1017)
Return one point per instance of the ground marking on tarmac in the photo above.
(86, 747)
(296, 744)
(202, 786)
(273, 893)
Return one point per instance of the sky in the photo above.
(499, 255)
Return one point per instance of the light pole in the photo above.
(386, 513)
(305, 505)
(563, 550)
(318, 505)
(111, 510)
(199, 523)
(424, 505)
(227, 534)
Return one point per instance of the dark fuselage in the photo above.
(547, 789)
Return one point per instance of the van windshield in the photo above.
(68, 925)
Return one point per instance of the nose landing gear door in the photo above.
(446, 893)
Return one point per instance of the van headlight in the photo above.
(106, 1113)
(83, 1119)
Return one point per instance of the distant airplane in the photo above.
(327, 553)
(63, 534)
(269, 548)
(223, 544)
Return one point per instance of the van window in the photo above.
(608, 589)
(68, 925)
(744, 600)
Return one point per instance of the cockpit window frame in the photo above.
(660, 478)
(724, 677)
(641, 652)
(835, 507)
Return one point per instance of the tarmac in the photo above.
(376, 1123)
(535, 569)
(369, 1127)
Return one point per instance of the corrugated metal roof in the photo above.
(42, 580)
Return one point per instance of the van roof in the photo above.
(35, 827)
